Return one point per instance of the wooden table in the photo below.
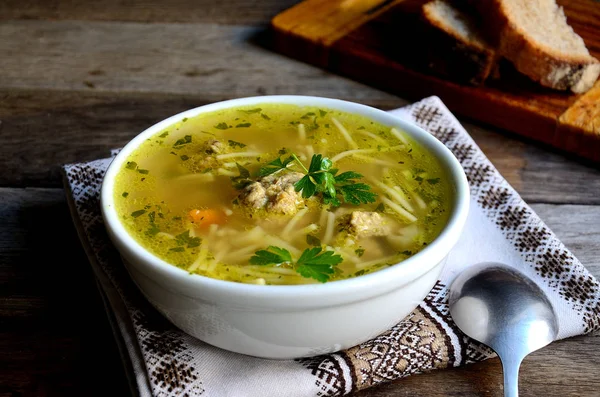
(78, 78)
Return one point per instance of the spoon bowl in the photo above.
(504, 309)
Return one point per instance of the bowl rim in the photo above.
(363, 286)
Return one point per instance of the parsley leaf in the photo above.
(312, 240)
(234, 144)
(222, 126)
(184, 238)
(250, 111)
(359, 252)
(358, 193)
(271, 256)
(182, 141)
(153, 230)
(313, 263)
(316, 264)
(137, 213)
(433, 181)
(243, 125)
(243, 180)
(321, 178)
(274, 166)
(317, 179)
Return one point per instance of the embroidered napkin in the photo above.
(501, 227)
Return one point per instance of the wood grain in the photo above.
(55, 339)
(79, 78)
(83, 126)
(388, 51)
(185, 11)
(208, 60)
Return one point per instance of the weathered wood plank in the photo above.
(188, 11)
(211, 60)
(55, 339)
(41, 130)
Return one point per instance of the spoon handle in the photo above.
(510, 369)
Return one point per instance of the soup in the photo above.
(282, 194)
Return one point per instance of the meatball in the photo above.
(367, 224)
(274, 193)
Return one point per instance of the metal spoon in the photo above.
(505, 310)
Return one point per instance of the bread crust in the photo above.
(540, 62)
(451, 55)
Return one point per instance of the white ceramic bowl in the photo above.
(289, 321)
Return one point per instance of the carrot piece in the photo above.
(205, 218)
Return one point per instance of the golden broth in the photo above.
(174, 173)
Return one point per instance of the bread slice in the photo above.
(535, 36)
(456, 48)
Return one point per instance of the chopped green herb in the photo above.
(142, 171)
(184, 119)
(235, 144)
(243, 180)
(137, 213)
(307, 115)
(176, 218)
(243, 125)
(185, 239)
(408, 253)
(316, 264)
(380, 208)
(362, 127)
(271, 256)
(153, 230)
(235, 202)
(182, 141)
(131, 165)
(177, 249)
(433, 181)
(313, 263)
(184, 157)
(282, 151)
(222, 126)
(274, 166)
(322, 113)
(206, 170)
(312, 240)
(264, 116)
(164, 134)
(320, 178)
(359, 252)
(125, 194)
(250, 111)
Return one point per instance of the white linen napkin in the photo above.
(501, 227)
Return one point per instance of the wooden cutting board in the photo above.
(377, 42)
